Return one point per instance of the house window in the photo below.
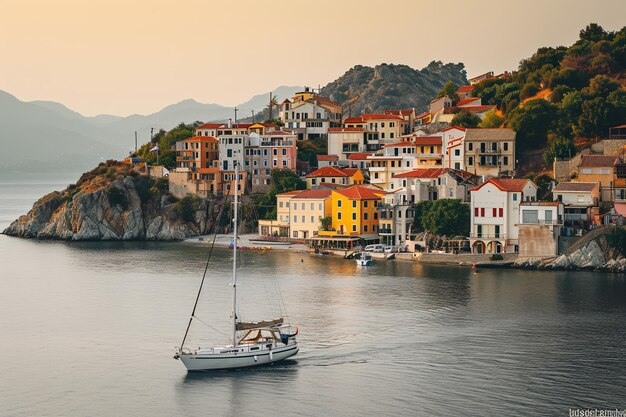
(494, 212)
(365, 216)
(302, 219)
(505, 160)
(354, 227)
(312, 219)
(457, 152)
(470, 146)
(475, 211)
(514, 196)
(530, 217)
(365, 204)
(505, 146)
(470, 160)
(295, 234)
(482, 212)
(353, 216)
(479, 230)
(548, 215)
(501, 212)
(497, 231)
(353, 203)
(365, 228)
(338, 203)
(338, 216)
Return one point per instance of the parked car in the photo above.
(375, 248)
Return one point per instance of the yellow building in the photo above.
(280, 226)
(307, 208)
(354, 211)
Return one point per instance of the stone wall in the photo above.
(537, 241)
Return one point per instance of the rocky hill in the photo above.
(387, 86)
(117, 202)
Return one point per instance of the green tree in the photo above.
(532, 123)
(491, 120)
(443, 217)
(602, 86)
(529, 90)
(326, 223)
(465, 119)
(593, 33)
(449, 90)
(559, 147)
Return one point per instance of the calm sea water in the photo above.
(89, 329)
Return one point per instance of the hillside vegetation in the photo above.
(387, 86)
(562, 96)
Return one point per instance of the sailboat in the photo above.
(253, 343)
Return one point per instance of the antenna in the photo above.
(236, 110)
(135, 141)
(253, 121)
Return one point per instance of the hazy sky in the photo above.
(123, 57)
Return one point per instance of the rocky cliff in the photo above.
(114, 202)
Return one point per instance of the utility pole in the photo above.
(253, 121)
(135, 141)
(236, 109)
(270, 107)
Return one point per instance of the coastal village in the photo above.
(380, 166)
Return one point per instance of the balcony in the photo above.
(500, 236)
(550, 222)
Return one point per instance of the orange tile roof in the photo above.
(466, 101)
(292, 193)
(314, 194)
(507, 184)
(329, 172)
(211, 126)
(359, 192)
(200, 139)
(423, 173)
(381, 117)
(427, 140)
(278, 133)
(465, 89)
(359, 156)
(354, 120)
(207, 170)
(422, 115)
(454, 127)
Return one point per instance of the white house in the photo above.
(495, 206)
(231, 149)
(452, 144)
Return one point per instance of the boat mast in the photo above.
(235, 256)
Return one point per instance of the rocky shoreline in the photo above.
(591, 257)
(113, 202)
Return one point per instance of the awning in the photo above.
(620, 208)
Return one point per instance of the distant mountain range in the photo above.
(45, 136)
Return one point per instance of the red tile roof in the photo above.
(279, 133)
(346, 129)
(359, 156)
(507, 184)
(207, 170)
(422, 115)
(313, 194)
(465, 89)
(598, 161)
(427, 140)
(381, 117)
(360, 192)
(466, 101)
(423, 173)
(353, 120)
(575, 187)
(331, 172)
(327, 158)
(211, 126)
(294, 192)
(454, 127)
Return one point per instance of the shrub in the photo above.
(185, 209)
(496, 257)
(617, 240)
(117, 197)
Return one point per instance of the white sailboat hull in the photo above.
(216, 361)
